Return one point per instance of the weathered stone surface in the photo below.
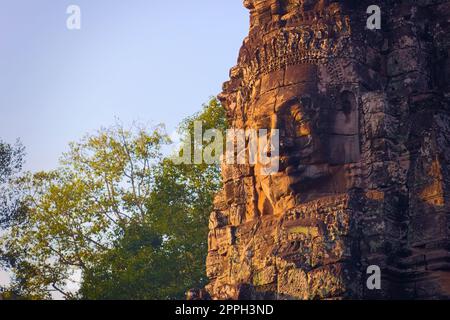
(365, 152)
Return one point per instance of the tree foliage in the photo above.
(165, 256)
(129, 221)
(76, 212)
(11, 162)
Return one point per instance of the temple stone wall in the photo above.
(364, 175)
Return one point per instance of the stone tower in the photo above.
(364, 178)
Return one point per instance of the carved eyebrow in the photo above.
(289, 103)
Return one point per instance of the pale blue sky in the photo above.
(145, 60)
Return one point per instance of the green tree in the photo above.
(11, 162)
(165, 256)
(131, 222)
(75, 213)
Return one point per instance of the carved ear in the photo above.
(348, 101)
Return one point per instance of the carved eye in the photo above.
(300, 122)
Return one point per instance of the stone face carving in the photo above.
(364, 177)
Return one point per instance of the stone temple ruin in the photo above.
(364, 175)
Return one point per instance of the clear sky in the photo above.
(144, 60)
